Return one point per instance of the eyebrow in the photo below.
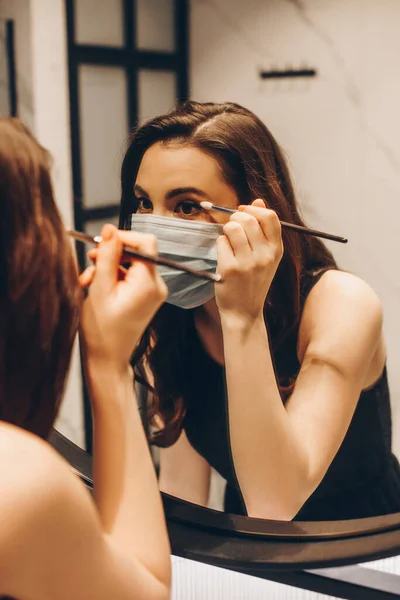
(175, 192)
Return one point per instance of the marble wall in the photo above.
(340, 130)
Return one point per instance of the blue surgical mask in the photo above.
(192, 243)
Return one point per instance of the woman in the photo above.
(279, 380)
(55, 542)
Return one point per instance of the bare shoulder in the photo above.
(336, 285)
(339, 293)
(27, 459)
(35, 484)
(32, 474)
(341, 306)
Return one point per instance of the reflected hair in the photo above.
(39, 294)
(251, 162)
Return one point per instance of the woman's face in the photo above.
(172, 181)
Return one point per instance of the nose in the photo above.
(162, 211)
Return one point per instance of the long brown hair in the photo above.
(252, 163)
(39, 297)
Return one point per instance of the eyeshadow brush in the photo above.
(299, 228)
(128, 253)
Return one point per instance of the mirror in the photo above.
(320, 77)
(329, 97)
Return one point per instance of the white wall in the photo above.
(42, 89)
(341, 130)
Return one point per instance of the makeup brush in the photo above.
(299, 228)
(157, 260)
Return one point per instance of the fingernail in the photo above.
(107, 232)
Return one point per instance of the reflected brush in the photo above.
(299, 228)
(128, 253)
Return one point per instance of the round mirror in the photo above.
(300, 421)
(291, 545)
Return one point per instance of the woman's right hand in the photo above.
(119, 306)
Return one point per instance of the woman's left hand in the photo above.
(249, 253)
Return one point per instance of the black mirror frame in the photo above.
(303, 554)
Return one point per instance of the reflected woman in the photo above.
(276, 377)
(55, 541)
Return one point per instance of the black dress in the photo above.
(363, 480)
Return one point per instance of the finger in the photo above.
(144, 242)
(108, 258)
(86, 277)
(225, 255)
(140, 271)
(268, 220)
(252, 229)
(92, 254)
(135, 240)
(145, 275)
(237, 239)
(259, 203)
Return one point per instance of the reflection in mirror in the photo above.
(107, 30)
(155, 30)
(277, 380)
(156, 93)
(103, 127)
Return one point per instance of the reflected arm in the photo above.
(281, 453)
(184, 473)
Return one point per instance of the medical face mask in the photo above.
(192, 243)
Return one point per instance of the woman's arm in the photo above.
(125, 482)
(125, 486)
(282, 453)
(184, 473)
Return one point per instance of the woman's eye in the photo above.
(144, 205)
(188, 208)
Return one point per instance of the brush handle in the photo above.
(223, 209)
(314, 232)
(299, 228)
(156, 260)
(159, 260)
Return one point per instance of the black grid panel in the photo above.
(131, 59)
